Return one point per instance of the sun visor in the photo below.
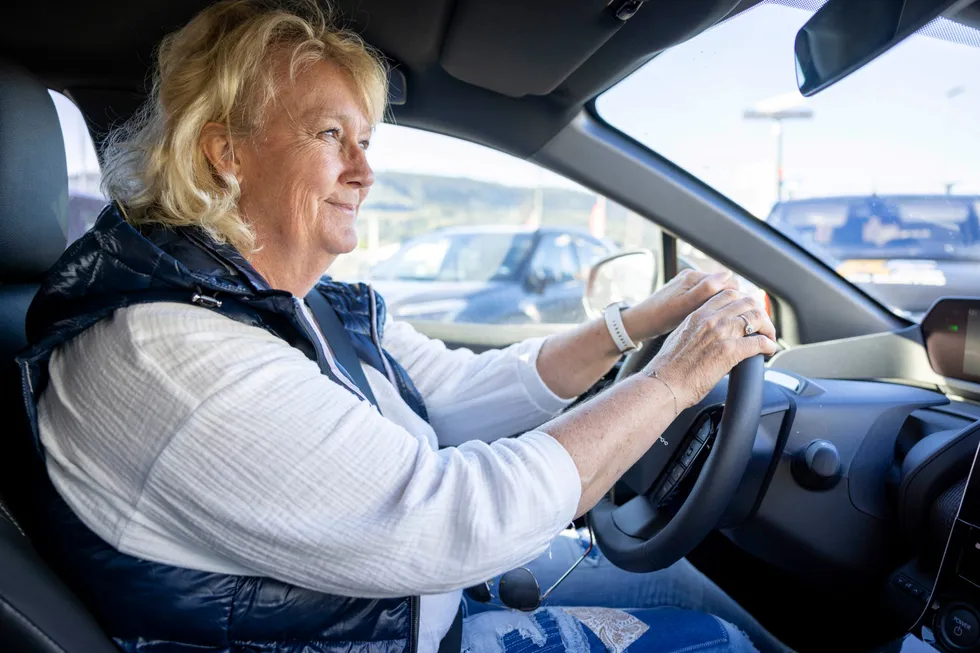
(528, 47)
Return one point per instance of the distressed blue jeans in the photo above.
(600, 607)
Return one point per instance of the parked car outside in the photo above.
(491, 275)
(904, 250)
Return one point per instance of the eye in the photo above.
(333, 132)
(365, 145)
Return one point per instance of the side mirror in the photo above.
(622, 277)
(844, 35)
(538, 279)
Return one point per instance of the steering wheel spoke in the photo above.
(648, 532)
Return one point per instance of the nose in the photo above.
(359, 173)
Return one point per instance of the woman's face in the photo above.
(304, 174)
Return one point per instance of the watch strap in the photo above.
(614, 322)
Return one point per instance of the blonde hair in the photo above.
(220, 67)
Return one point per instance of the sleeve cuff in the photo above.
(537, 391)
(565, 473)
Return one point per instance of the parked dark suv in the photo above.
(491, 275)
(905, 250)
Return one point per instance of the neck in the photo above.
(295, 272)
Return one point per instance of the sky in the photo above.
(907, 122)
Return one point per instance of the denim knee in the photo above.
(738, 642)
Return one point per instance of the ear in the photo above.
(219, 149)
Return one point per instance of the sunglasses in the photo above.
(519, 589)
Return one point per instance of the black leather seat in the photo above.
(37, 612)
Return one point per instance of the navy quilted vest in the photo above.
(148, 607)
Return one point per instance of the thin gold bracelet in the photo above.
(653, 375)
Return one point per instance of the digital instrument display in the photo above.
(951, 332)
(971, 352)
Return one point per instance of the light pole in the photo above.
(778, 116)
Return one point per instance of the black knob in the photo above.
(959, 626)
(817, 465)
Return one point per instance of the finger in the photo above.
(711, 284)
(757, 316)
(722, 300)
(690, 276)
(740, 303)
(753, 320)
(767, 329)
(732, 318)
(754, 345)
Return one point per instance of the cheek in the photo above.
(265, 177)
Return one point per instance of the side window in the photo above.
(555, 260)
(454, 233)
(422, 261)
(85, 199)
(457, 233)
(589, 253)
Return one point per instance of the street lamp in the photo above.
(778, 116)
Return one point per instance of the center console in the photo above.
(950, 621)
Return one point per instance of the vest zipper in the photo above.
(415, 607)
(377, 341)
(322, 351)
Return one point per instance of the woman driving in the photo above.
(224, 481)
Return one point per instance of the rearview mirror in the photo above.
(844, 35)
(622, 277)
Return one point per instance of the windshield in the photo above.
(891, 227)
(466, 257)
(880, 171)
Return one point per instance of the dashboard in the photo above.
(858, 473)
(860, 480)
(950, 619)
(911, 518)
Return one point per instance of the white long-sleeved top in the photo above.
(187, 438)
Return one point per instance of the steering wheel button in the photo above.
(690, 453)
(636, 536)
(704, 431)
(961, 627)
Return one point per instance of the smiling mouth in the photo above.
(350, 209)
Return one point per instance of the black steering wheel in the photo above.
(640, 536)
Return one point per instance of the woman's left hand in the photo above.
(664, 310)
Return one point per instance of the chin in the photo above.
(344, 242)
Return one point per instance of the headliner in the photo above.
(507, 73)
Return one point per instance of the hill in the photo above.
(406, 205)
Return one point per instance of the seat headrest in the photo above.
(33, 177)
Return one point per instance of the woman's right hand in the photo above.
(709, 343)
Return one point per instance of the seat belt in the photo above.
(343, 350)
(340, 343)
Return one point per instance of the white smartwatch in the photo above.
(614, 322)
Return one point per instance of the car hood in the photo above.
(912, 285)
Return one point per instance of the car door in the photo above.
(554, 287)
(590, 251)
